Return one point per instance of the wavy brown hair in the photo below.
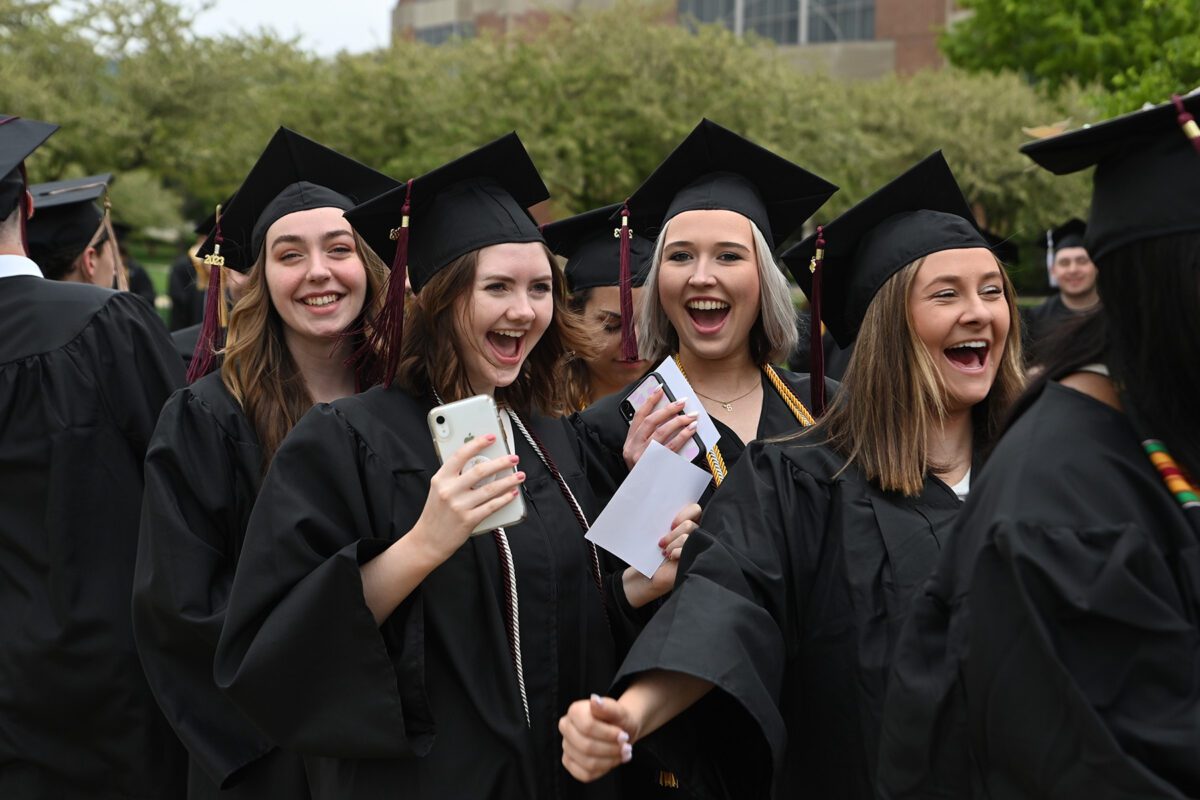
(257, 367)
(893, 395)
(431, 356)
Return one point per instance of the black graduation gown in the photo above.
(1040, 322)
(84, 372)
(185, 340)
(1055, 652)
(427, 704)
(202, 474)
(789, 600)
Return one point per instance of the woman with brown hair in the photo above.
(368, 629)
(311, 282)
(766, 669)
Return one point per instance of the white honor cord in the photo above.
(511, 588)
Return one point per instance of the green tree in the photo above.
(1132, 51)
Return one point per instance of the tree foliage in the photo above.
(599, 98)
(1133, 51)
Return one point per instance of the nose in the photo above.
(978, 312)
(318, 268)
(521, 310)
(703, 274)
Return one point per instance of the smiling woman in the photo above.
(311, 284)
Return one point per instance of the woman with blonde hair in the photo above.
(766, 669)
(311, 284)
(715, 301)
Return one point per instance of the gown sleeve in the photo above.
(1069, 672)
(300, 652)
(733, 620)
(196, 499)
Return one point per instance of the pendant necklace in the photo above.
(726, 404)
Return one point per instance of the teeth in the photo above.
(707, 305)
(978, 345)
(323, 300)
(513, 334)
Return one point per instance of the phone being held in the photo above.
(453, 425)
(639, 396)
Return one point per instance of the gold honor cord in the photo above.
(716, 462)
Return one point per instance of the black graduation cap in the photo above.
(1147, 171)
(1070, 234)
(18, 139)
(1005, 247)
(292, 174)
(475, 201)
(714, 168)
(921, 212)
(592, 248)
(66, 216)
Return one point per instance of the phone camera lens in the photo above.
(627, 409)
(440, 420)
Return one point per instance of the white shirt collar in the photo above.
(11, 266)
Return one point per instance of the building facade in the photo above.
(845, 38)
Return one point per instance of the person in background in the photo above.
(84, 372)
(1072, 270)
(308, 284)
(187, 281)
(766, 669)
(139, 280)
(593, 268)
(1056, 650)
(70, 237)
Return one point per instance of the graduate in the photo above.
(593, 267)
(716, 301)
(1056, 650)
(1074, 273)
(367, 629)
(310, 284)
(84, 372)
(766, 668)
(70, 238)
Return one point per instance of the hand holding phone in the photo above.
(653, 413)
(475, 486)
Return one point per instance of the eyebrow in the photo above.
(292, 238)
(604, 313)
(682, 243)
(548, 277)
(955, 278)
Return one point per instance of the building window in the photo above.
(440, 34)
(706, 12)
(841, 20)
(777, 20)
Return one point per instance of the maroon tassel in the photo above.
(629, 345)
(387, 334)
(1187, 122)
(816, 365)
(204, 356)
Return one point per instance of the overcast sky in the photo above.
(325, 26)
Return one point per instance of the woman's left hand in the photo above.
(638, 589)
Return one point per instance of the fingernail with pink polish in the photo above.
(626, 753)
(597, 699)
(623, 737)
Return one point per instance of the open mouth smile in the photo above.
(970, 357)
(708, 314)
(507, 346)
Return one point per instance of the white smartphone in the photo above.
(453, 425)
(637, 398)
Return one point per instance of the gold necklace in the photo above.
(726, 404)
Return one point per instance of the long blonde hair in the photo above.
(257, 367)
(893, 396)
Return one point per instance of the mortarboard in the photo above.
(66, 216)
(845, 263)
(715, 168)
(292, 174)
(593, 250)
(18, 139)
(1070, 234)
(1147, 170)
(474, 201)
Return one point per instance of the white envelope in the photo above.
(641, 512)
(669, 371)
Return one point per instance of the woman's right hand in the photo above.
(457, 502)
(667, 426)
(596, 737)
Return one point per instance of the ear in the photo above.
(29, 206)
(87, 263)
